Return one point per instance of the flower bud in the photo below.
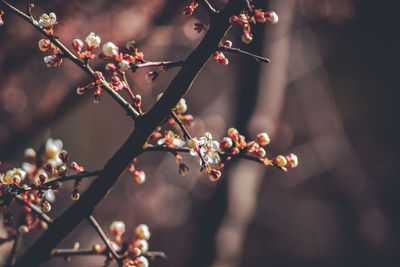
(141, 244)
(141, 262)
(263, 139)
(110, 49)
(63, 156)
(183, 169)
(80, 90)
(292, 160)
(233, 134)
(142, 232)
(235, 150)
(44, 45)
(23, 229)
(75, 195)
(280, 161)
(226, 143)
(223, 61)
(46, 207)
(260, 152)
(227, 43)
(77, 44)
(131, 45)
(43, 225)
(117, 228)
(139, 177)
(76, 167)
(181, 107)
(96, 248)
(110, 67)
(215, 175)
(272, 17)
(124, 65)
(30, 153)
(247, 37)
(151, 76)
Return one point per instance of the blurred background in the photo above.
(328, 95)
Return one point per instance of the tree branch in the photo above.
(133, 147)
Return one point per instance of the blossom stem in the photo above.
(234, 50)
(66, 252)
(185, 132)
(80, 175)
(35, 209)
(29, 8)
(103, 236)
(187, 150)
(208, 7)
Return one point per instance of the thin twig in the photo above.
(155, 254)
(35, 209)
(77, 252)
(249, 6)
(29, 8)
(185, 132)
(187, 150)
(103, 236)
(208, 7)
(80, 175)
(239, 51)
(166, 64)
(68, 54)
(84, 174)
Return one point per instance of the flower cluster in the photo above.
(36, 181)
(236, 144)
(256, 16)
(53, 60)
(188, 10)
(132, 250)
(122, 63)
(47, 21)
(220, 57)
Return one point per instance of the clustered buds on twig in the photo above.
(256, 16)
(188, 10)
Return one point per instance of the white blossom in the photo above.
(206, 146)
(53, 148)
(47, 20)
(93, 41)
(124, 65)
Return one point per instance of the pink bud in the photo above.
(77, 44)
(280, 161)
(292, 160)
